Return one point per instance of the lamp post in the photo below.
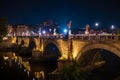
(39, 32)
(70, 56)
(54, 33)
(96, 26)
(112, 28)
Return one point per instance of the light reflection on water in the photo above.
(36, 70)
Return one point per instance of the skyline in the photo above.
(61, 11)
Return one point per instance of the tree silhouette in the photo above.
(3, 27)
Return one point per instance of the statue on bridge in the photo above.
(54, 33)
(69, 27)
(87, 29)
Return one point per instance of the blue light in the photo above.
(43, 31)
(112, 27)
(53, 48)
(97, 24)
(65, 31)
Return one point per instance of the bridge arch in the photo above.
(52, 54)
(51, 42)
(96, 46)
(52, 49)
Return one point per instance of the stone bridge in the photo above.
(80, 44)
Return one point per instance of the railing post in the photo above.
(82, 37)
(89, 37)
(106, 37)
(96, 37)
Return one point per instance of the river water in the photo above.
(14, 67)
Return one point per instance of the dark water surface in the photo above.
(13, 69)
(110, 70)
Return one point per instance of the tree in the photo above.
(73, 71)
(70, 72)
(3, 27)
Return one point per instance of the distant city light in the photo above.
(43, 31)
(96, 24)
(5, 38)
(50, 29)
(112, 27)
(5, 57)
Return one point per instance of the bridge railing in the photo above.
(100, 37)
(96, 37)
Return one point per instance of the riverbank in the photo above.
(11, 70)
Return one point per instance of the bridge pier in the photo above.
(62, 63)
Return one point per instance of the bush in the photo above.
(71, 72)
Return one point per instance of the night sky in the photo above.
(81, 12)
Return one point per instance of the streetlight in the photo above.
(96, 26)
(50, 30)
(39, 32)
(65, 31)
(112, 27)
(43, 31)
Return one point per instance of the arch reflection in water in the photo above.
(110, 65)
